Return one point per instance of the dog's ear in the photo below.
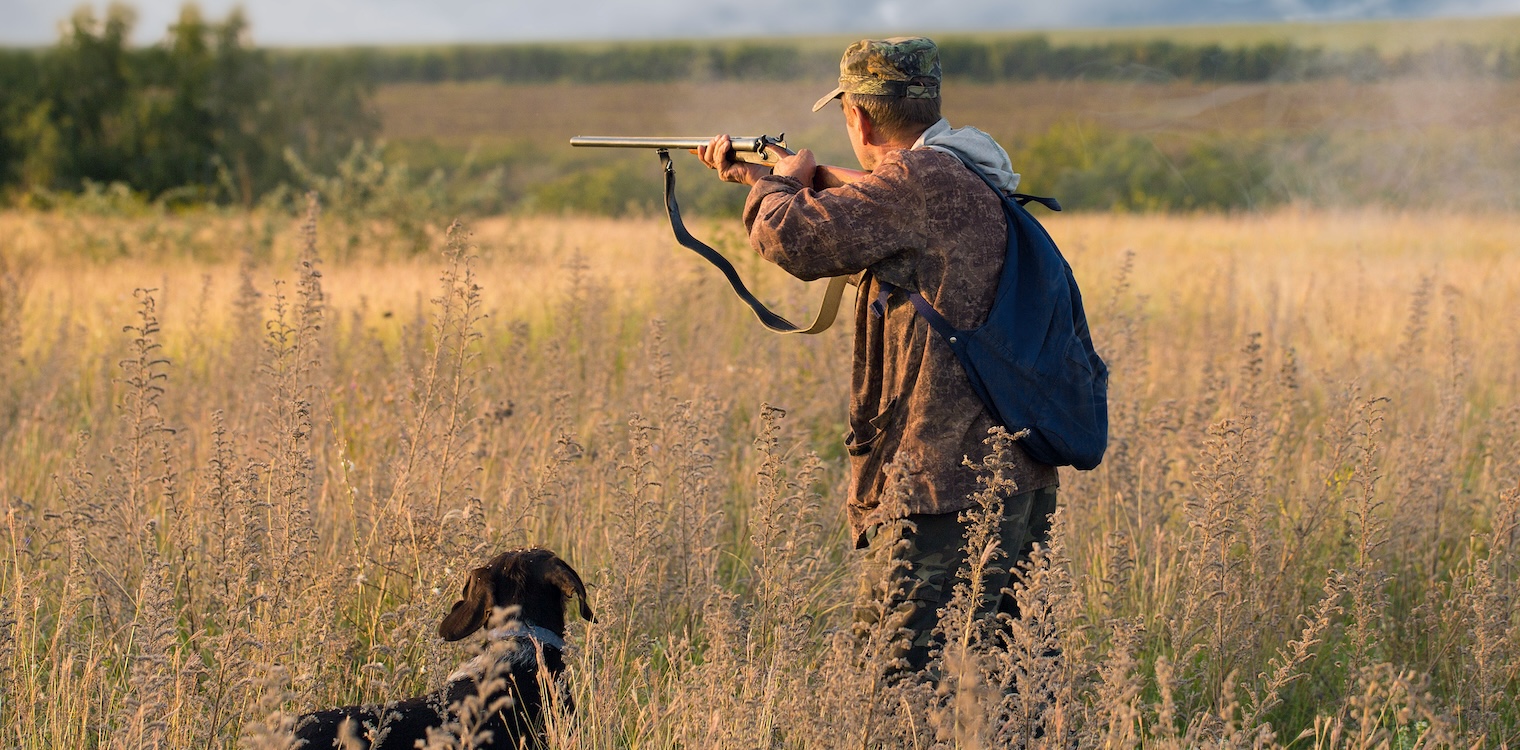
(559, 573)
(470, 612)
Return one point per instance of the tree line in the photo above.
(200, 116)
(1022, 58)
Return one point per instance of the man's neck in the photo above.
(912, 140)
(878, 151)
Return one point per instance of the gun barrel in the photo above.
(745, 145)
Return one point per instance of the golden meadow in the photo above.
(239, 481)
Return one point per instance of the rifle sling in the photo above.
(827, 312)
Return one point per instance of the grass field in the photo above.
(462, 113)
(252, 490)
(1412, 143)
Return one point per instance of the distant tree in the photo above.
(779, 62)
(20, 95)
(79, 126)
(202, 114)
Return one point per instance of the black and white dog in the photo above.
(495, 699)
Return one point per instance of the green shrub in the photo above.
(1094, 169)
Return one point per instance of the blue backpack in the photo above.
(1032, 362)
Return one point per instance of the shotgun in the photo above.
(757, 150)
(763, 150)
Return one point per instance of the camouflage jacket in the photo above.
(920, 221)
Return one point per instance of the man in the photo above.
(921, 220)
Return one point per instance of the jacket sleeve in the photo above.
(816, 233)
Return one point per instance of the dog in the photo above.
(496, 698)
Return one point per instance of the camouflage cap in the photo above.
(906, 66)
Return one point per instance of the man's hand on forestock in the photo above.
(719, 154)
(799, 166)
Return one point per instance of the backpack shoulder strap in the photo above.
(1023, 200)
(926, 310)
(1020, 198)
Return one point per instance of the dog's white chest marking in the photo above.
(529, 642)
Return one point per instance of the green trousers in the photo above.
(924, 560)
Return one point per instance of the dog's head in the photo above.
(533, 579)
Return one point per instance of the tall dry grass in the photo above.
(236, 490)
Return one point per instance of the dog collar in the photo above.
(540, 638)
(520, 629)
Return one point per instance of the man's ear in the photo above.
(560, 574)
(470, 612)
(861, 120)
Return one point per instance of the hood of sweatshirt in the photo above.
(976, 147)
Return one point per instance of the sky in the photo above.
(326, 22)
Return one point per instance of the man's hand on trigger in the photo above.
(799, 166)
(719, 154)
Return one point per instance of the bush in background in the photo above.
(200, 117)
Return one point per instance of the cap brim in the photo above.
(831, 96)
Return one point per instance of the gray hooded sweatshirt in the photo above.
(975, 146)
